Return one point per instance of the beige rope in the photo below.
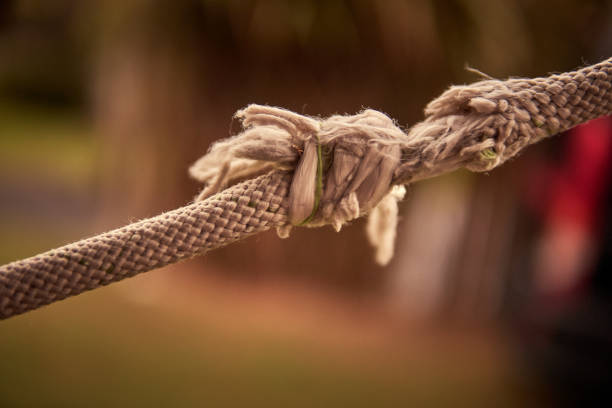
(236, 213)
(318, 172)
(482, 125)
(345, 165)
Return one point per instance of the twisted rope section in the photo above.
(242, 210)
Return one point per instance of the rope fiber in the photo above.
(287, 169)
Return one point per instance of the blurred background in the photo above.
(500, 290)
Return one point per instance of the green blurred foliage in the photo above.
(52, 140)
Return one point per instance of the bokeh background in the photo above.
(499, 292)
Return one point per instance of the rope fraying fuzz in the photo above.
(482, 125)
(344, 165)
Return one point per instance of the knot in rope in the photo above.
(343, 167)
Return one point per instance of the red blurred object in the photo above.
(580, 182)
(571, 207)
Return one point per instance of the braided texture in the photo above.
(481, 125)
(335, 170)
(242, 210)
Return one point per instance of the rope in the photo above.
(482, 125)
(318, 172)
(247, 208)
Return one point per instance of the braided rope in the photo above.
(245, 209)
(482, 125)
(477, 126)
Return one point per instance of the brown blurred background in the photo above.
(105, 104)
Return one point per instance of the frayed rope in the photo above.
(341, 170)
(344, 167)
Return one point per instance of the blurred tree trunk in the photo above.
(148, 105)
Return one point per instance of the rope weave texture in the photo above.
(242, 210)
(482, 125)
(354, 163)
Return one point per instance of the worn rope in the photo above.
(318, 172)
(345, 165)
(482, 125)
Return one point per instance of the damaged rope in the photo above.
(345, 165)
(287, 169)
